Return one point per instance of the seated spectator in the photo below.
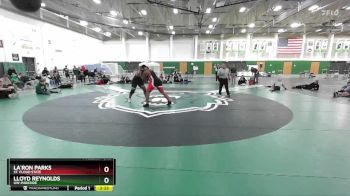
(242, 80)
(344, 91)
(276, 86)
(56, 78)
(312, 86)
(42, 88)
(45, 72)
(6, 81)
(16, 81)
(11, 71)
(7, 91)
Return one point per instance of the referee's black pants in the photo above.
(223, 82)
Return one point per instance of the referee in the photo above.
(224, 77)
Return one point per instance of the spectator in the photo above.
(242, 80)
(344, 91)
(66, 72)
(11, 71)
(255, 72)
(45, 72)
(42, 88)
(7, 91)
(313, 86)
(76, 72)
(276, 86)
(233, 75)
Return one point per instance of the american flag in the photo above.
(289, 45)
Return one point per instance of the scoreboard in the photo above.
(61, 174)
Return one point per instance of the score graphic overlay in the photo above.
(61, 174)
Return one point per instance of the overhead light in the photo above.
(313, 8)
(318, 30)
(97, 29)
(243, 9)
(338, 24)
(243, 30)
(208, 10)
(277, 8)
(207, 31)
(173, 32)
(113, 13)
(295, 25)
(171, 27)
(210, 26)
(144, 12)
(43, 5)
(133, 27)
(140, 33)
(281, 30)
(348, 8)
(83, 23)
(108, 34)
(125, 21)
(97, 1)
(251, 25)
(214, 19)
(176, 11)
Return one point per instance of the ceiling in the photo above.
(192, 18)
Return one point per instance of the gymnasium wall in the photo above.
(50, 45)
(277, 67)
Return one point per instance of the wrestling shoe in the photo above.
(169, 103)
(129, 100)
(146, 105)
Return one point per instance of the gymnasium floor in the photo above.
(299, 144)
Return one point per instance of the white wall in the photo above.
(160, 50)
(48, 44)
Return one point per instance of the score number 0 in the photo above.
(106, 170)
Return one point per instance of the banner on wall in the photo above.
(216, 46)
(202, 47)
(310, 46)
(318, 45)
(15, 57)
(339, 45)
(346, 45)
(228, 46)
(263, 46)
(241, 46)
(235, 46)
(209, 47)
(255, 46)
(324, 45)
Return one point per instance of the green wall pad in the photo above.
(324, 67)
(19, 67)
(301, 66)
(169, 67)
(200, 65)
(274, 66)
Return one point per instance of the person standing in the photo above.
(76, 72)
(233, 75)
(224, 77)
(255, 72)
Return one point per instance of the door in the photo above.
(161, 66)
(29, 63)
(183, 67)
(315, 67)
(287, 68)
(261, 66)
(208, 68)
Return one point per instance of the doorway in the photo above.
(29, 63)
